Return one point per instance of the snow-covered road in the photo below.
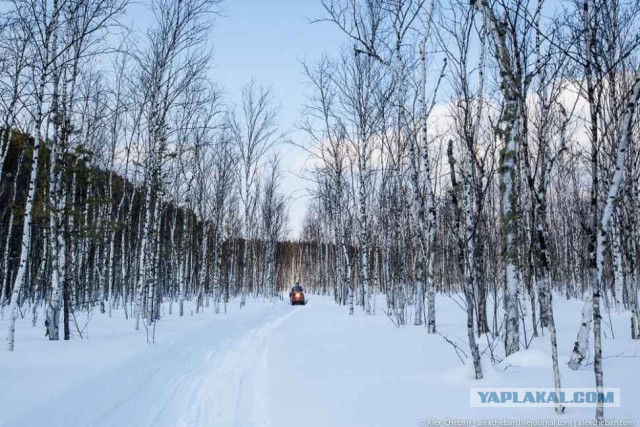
(273, 365)
(213, 376)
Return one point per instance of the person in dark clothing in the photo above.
(296, 288)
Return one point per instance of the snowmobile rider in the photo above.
(296, 288)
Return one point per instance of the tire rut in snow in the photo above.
(234, 390)
(194, 382)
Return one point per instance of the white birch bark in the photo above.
(49, 24)
(580, 346)
(424, 194)
(144, 250)
(618, 269)
(55, 200)
(26, 233)
(464, 237)
(508, 138)
(624, 140)
(363, 219)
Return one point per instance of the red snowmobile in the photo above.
(296, 295)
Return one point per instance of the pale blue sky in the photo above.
(268, 40)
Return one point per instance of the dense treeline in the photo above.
(486, 147)
(127, 180)
(91, 287)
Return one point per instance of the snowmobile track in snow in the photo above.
(234, 389)
(211, 377)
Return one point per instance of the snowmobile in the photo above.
(296, 296)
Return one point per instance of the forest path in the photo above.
(273, 365)
(213, 376)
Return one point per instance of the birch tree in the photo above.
(173, 62)
(253, 129)
(45, 19)
(601, 66)
(503, 39)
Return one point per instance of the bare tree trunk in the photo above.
(607, 213)
(465, 253)
(507, 133)
(19, 280)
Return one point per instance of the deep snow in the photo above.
(270, 364)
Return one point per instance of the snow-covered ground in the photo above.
(270, 364)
